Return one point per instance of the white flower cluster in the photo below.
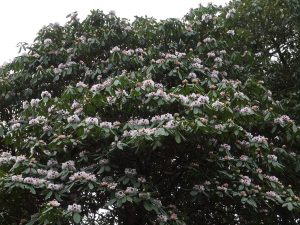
(259, 140)
(215, 74)
(138, 122)
(231, 32)
(139, 51)
(169, 56)
(226, 147)
(48, 42)
(21, 158)
(28, 180)
(53, 203)
(52, 174)
(111, 186)
(172, 124)
(159, 61)
(108, 125)
(283, 120)
(218, 61)
(162, 218)
(192, 76)
(240, 95)
(220, 127)
(91, 121)
(69, 165)
(128, 52)
(230, 13)
(119, 93)
(80, 84)
(271, 194)
(57, 71)
(120, 194)
(159, 93)
(130, 172)
(75, 105)
(245, 180)
(62, 112)
(140, 132)
(74, 208)
(206, 18)
(234, 83)
(222, 188)
(15, 126)
(272, 157)
(223, 52)
(180, 55)
(45, 94)
(227, 158)
(34, 181)
(115, 49)
(244, 158)
(200, 101)
(73, 119)
(148, 83)
(162, 118)
(37, 120)
(217, 105)
(211, 55)
(83, 176)
(272, 179)
(17, 178)
(42, 172)
(47, 128)
(6, 158)
(82, 39)
(197, 65)
(102, 86)
(145, 195)
(209, 40)
(199, 188)
(131, 190)
(55, 187)
(51, 163)
(246, 111)
(34, 103)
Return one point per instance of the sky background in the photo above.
(20, 20)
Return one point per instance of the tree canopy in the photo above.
(189, 121)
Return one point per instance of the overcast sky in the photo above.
(20, 20)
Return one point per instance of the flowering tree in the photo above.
(110, 122)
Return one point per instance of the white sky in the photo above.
(20, 20)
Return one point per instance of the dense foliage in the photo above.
(105, 121)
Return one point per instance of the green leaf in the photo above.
(56, 78)
(252, 202)
(294, 128)
(290, 206)
(241, 187)
(148, 206)
(48, 195)
(111, 202)
(177, 138)
(32, 190)
(91, 186)
(126, 180)
(107, 168)
(1, 131)
(101, 169)
(193, 193)
(76, 217)
(239, 164)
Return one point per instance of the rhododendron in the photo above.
(108, 121)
